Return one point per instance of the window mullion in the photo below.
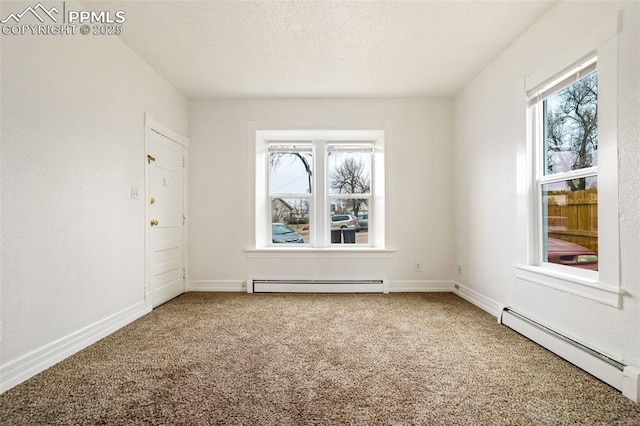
(267, 219)
(538, 114)
(320, 197)
(540, 226)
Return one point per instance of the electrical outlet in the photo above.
(134, 193)
(459, 269)
(417, 266)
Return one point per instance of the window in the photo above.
(290, 191)
(349, 188)
(319, 190)
(570, 205)
(567, 169)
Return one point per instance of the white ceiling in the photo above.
(321, 48)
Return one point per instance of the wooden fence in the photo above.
(573, 216)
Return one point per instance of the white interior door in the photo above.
(166, 217)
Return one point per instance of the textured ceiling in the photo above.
(321, 48)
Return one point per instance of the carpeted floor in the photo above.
(285, 359)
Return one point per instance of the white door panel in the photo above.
(166, 209)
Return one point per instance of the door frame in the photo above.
(153, 125)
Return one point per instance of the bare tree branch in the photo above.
(276, 159)
(572, 128)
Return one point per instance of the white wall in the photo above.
(72, 147)
(419, 190)
(490, 135)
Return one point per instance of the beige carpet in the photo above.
(211, 358)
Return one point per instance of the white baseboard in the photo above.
(419, 286)
(399, 286)
(18, 370)
(217, 285)
(483, 302)
(625, 378)
(627, 381)
(563, 347)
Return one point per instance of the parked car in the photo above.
(570, 254)
(281, 233)
(363, 221)
(344, 221)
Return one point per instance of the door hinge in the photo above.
(184, 220)
(183, 162)
(184, 274)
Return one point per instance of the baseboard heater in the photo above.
(595, 363)
(317, 286)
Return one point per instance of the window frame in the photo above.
(261, 134)
(603, 286)
(537, 97)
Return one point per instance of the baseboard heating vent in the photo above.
(317, 286)
(593, 362)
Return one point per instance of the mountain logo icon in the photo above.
(39, 11)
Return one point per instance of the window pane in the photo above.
(289, 220)
(349, 221)
(570, 235)
(571, 127)
(290, 171)
(349, 172)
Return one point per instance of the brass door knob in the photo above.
(154, 222)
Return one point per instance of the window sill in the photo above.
(572, 284)
(329, 252)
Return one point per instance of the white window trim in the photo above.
(260, 133)
(604, 286)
